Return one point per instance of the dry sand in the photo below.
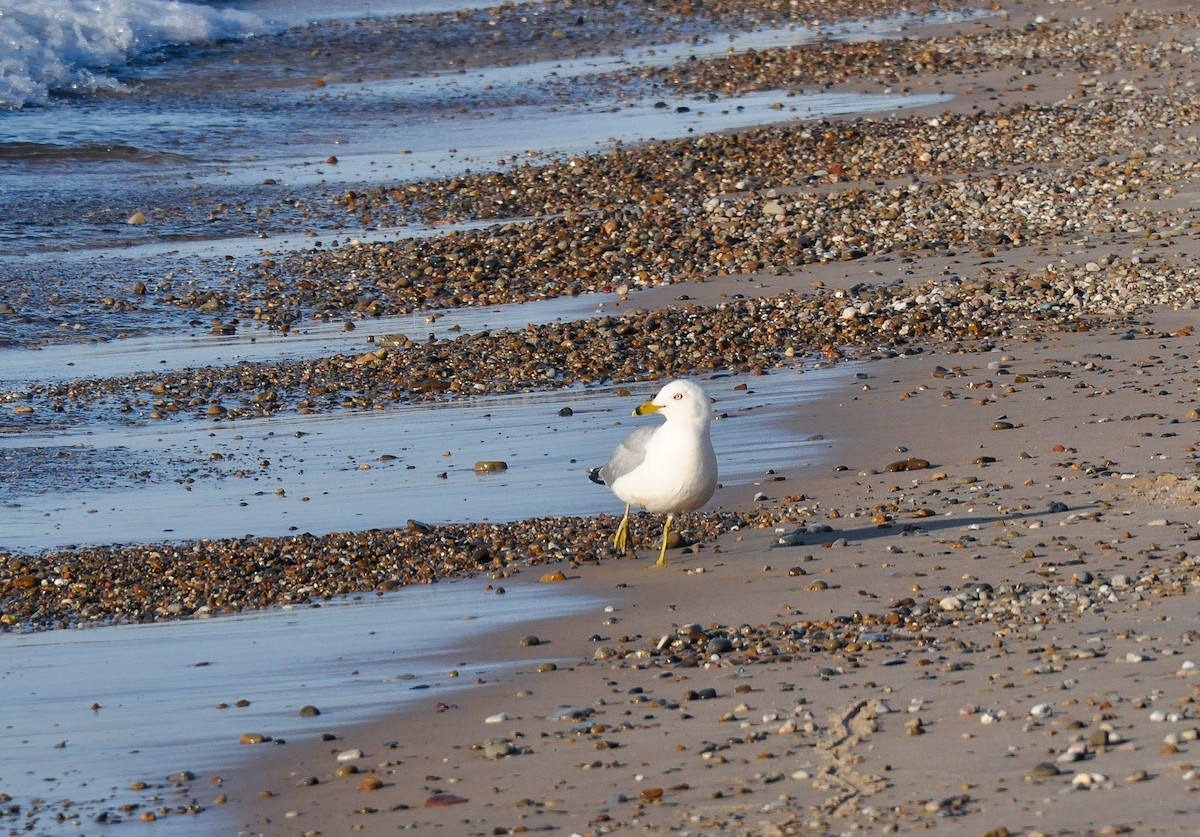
(1027, 599)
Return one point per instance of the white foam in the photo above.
(70, 46)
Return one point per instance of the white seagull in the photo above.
(667, 469)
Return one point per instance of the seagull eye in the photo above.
(677, 396)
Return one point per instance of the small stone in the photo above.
(252, 738)
(350, 755)
(370, 783)
(1043, 770)
(498, 748)
(906, 465)
(309, 711)
(551, 578)
(443, 800)
(485, 466)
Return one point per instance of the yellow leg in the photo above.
(662, 555)
(621, 538)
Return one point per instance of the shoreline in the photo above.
(922, 536)
(996, 641)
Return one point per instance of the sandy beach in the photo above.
(1003, 639)
(981, 622)
(977, 616)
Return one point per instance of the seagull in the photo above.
(667, 469)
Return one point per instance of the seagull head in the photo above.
(681, 399)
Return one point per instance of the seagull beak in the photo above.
(648, 407)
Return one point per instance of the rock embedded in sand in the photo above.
(499, 748)
(906, 465)
(444, 800)
(1043, 770)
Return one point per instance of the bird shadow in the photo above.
(930, 525)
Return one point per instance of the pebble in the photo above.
(1044, 770)
(951, 312)
(444, 800)
(499, 748)
(906, 465)
(1088, 780)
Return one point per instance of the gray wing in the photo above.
(628, 455)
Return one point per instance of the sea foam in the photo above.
(52, 47)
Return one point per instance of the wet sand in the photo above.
(903, 649)
(983, 623)
(997, 638)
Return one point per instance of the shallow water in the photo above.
(158, 687)
(205, 126)
(183, 125)
(325, 473)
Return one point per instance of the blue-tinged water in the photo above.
(215, 124)
(174, 143)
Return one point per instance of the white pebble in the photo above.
(498, 718)
(350, 755)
